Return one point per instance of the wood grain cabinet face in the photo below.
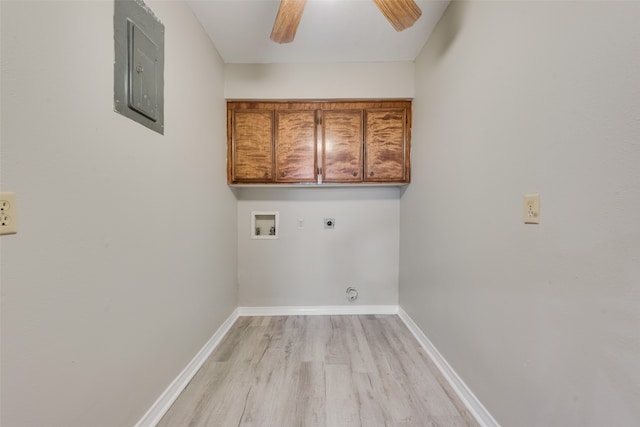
(350, 142)
(252, 145)
(385, 158)
(295, 144)
(342, 139)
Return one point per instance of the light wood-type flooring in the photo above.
(337, 371)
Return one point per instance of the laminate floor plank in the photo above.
(342, 407)
(371, 408)
(307, 397)
(423, 394)
(362, 360)
(318, 371)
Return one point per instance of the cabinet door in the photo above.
(252, 148)
(296, 146)
(385, 140)
(342, 145)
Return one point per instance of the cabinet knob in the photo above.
(355, 173)
(371, 173)
(266, 174)
(283, 174)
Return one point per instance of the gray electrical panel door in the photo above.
(139, 64)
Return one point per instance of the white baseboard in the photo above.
(467, 397)
(325, 310)
(166, 399)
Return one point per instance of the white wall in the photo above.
(313, 265)
(542, 322)
(364, 80)
(125, 260)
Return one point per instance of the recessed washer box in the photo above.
(139, 64)
(264, 225)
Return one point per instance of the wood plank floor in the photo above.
(313, 371)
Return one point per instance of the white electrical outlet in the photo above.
(8, 224)
(531, 209)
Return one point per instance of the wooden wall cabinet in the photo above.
(295, 146)
(346, 142)
(250, 134)
(386, 156)
(342, 145)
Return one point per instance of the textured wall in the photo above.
(124, 263)
(542, 322)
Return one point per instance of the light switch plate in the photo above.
(8, 219)
(531, 209)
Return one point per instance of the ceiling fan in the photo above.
(402, 14)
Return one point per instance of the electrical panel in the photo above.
(139, 64)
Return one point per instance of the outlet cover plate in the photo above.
(531, 209)
(8, 220)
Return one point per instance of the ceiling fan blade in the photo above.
(400, 13)
(287, 20)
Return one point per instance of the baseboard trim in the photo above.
(321, 310)
(166, 399)
(475, 407)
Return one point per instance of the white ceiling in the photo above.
(330, 31)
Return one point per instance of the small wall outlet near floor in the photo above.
(532, 209)
(8, 223)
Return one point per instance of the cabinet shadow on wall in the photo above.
(317, 194)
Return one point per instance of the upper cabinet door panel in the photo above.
(385, 145)
(252, 145)
(342, 134)
(295, 144)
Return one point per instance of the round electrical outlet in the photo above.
(352, 294)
